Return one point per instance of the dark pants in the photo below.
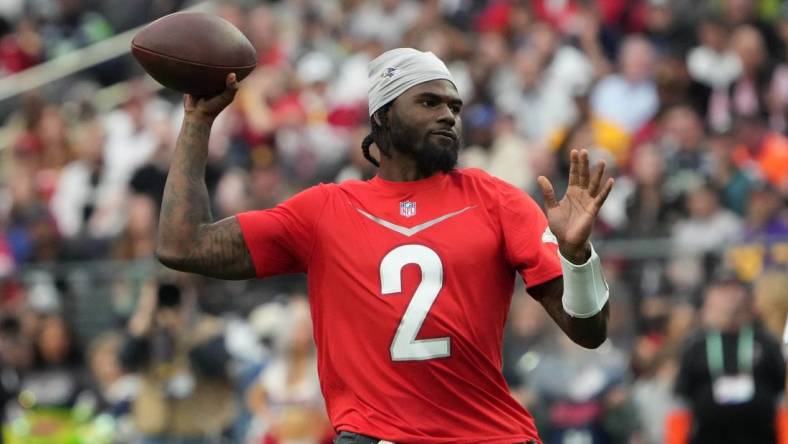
(355, 438)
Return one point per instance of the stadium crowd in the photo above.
(686, 100)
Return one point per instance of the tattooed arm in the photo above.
(189, 240)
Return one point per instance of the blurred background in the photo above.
(686, 100)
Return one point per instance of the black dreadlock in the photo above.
(377, 134)
(368, 141)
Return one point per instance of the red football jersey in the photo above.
(409, 287)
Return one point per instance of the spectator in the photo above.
(74, 27)
(287, 398)
(264, 32)
(32, 233)
(647, 207)
(86, 200)
(133, 132)
(580, 393)
(731, 391)
(359, 168)
(771, 301)
(634, 85)
(495, 146)
(708, 227)
(384, 20)
(714, 64)
(734, 184)
(760, 90)
(652, 395)
(148, 181)
(548, 75)
(698, 239)
(114, 388)
(682, 143)
(57, 376)
(16, 359)
(185, 394)
(527, 331)
(45, 146)
(665, 29)
(745, 13)
(20, 50)
(762, 152)
(762, 244)
(7, 264)
(138, 239)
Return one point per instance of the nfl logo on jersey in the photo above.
(407, 208)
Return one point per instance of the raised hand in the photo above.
(210, 107)
(572, 218)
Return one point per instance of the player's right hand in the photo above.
(210, 107)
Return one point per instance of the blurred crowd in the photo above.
(686, 101)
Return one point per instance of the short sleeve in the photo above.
(530, 247)
(280, 239)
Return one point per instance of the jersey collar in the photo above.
(411, 185)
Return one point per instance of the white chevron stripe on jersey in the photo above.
(413, 230)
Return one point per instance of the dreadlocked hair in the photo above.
(377, 134)
(368, 141)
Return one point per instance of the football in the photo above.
(192, 52)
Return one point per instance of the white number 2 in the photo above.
(405, 346)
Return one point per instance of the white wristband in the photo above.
(785, 340)
(585, 288)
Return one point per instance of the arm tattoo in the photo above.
(221, 251)
(188, 240)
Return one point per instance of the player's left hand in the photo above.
(572, 218)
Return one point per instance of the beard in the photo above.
(430, 155)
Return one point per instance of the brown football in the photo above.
(192, 52)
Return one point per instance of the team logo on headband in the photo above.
(388, 73)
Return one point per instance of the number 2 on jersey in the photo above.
(405, 346)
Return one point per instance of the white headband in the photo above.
(395, 71)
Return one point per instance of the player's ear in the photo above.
(381, 116)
